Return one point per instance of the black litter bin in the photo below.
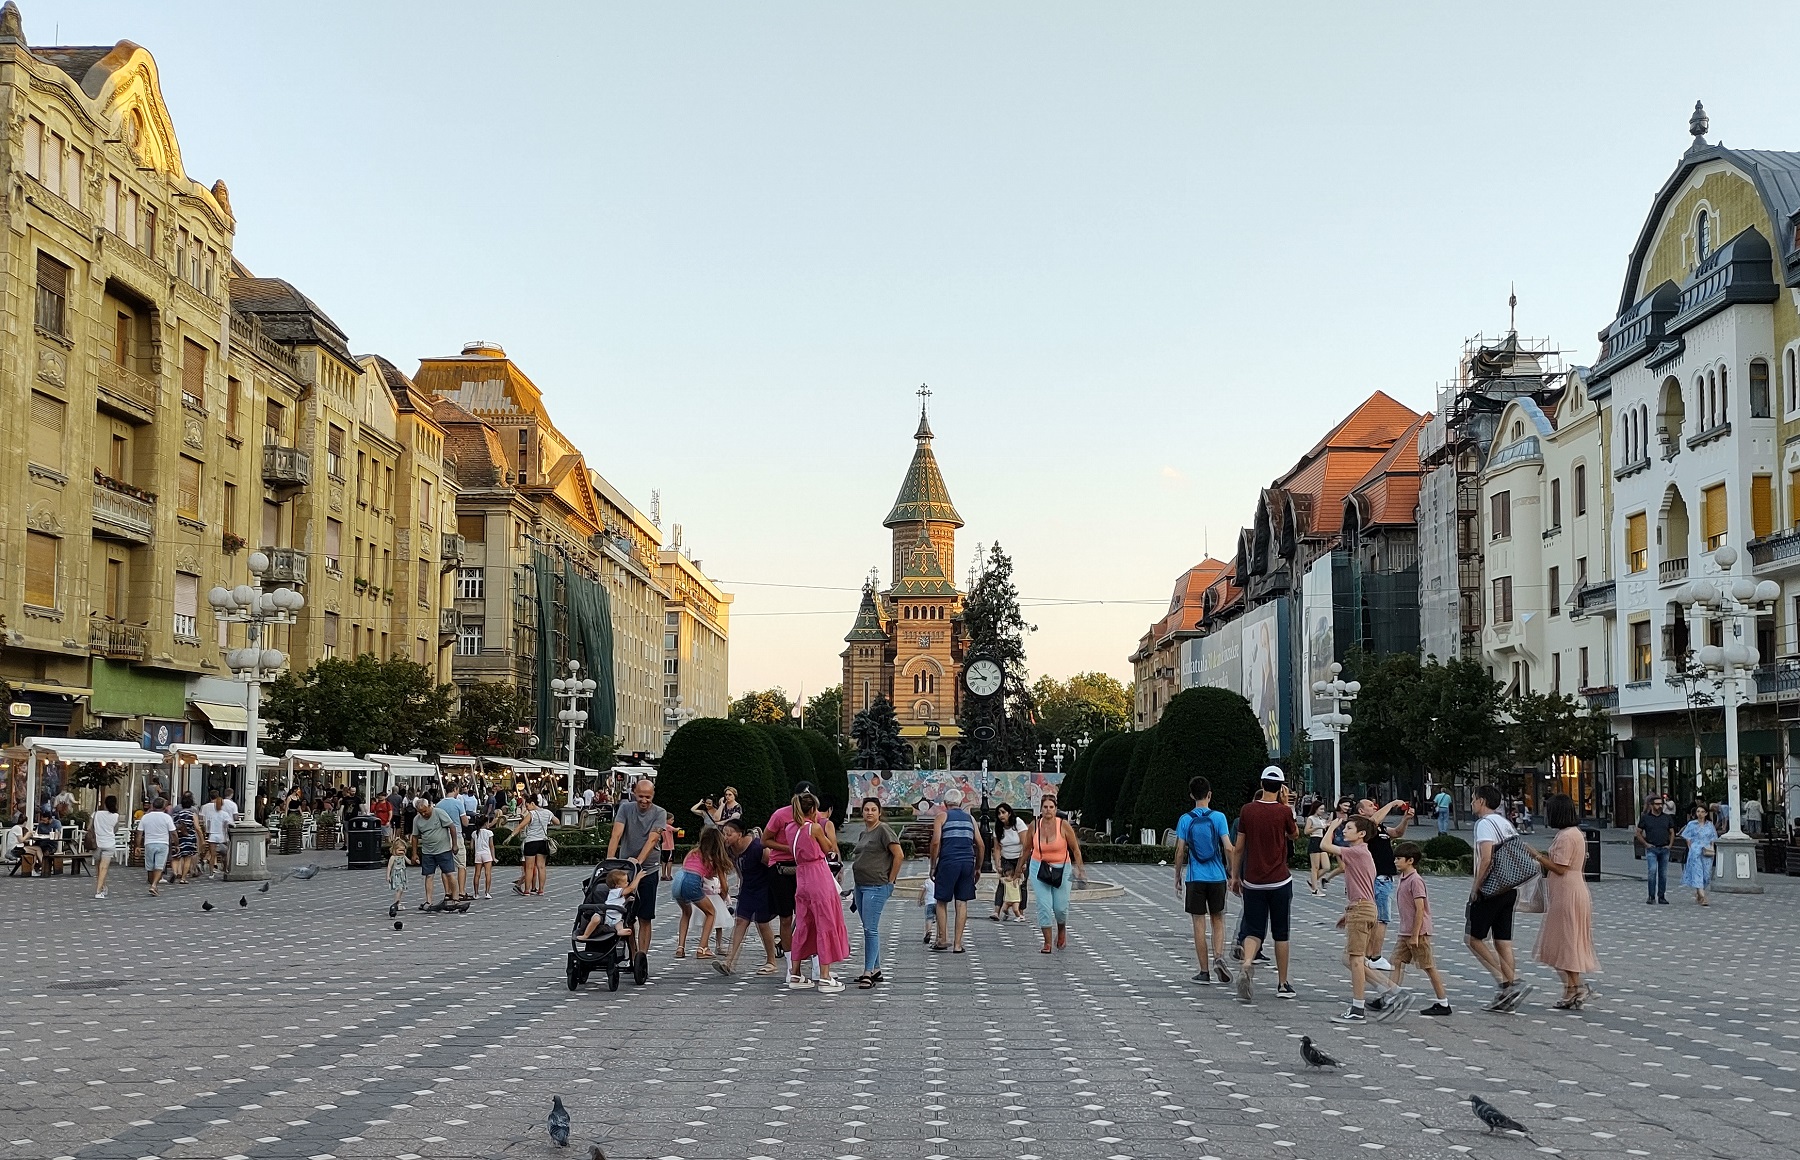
(1590, 866)
(365, 843)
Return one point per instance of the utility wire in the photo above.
(1034, 602)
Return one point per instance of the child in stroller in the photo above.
(602, 938)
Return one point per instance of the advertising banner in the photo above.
(1316, 606)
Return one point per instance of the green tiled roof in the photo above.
(868, 621)
(923, 495)
(923, 574)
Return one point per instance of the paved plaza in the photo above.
(304, 1026)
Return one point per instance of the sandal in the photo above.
(768, 969)
(878, 977)
(681, 952)
(724, 968)
(940, 946)
(703, 954)
(959, 950)
(864, 982)
(1045, 950)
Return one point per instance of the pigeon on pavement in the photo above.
(1497, 1120)
(204, 905)
(305, 872)
(263, 889)
(559, 1122)
(244, 901)
(1313, 1056)
(594, 1152)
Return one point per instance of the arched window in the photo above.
(1790, 389)
(1724, 415)
(1702, 236)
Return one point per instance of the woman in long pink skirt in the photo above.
(1566, 940)
(818, 910)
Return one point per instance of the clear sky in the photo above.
(1144, 254)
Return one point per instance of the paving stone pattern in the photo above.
(304, 1026)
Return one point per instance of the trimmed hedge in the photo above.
(1203, 732)
(1447, 848)
(1072, 793)
(1106, 776)
(829, 773)
(796, 759)
(709, 753)
(1125, 809)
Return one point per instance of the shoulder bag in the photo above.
(1051, 873)
(1511, 866)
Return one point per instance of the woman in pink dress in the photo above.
(818, 911)
(1566, 940)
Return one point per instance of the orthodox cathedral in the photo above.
(908, 642)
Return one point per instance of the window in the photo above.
(362, 471)
(187, 491)
(1637, 543)
(1790, 385)
(193, 373)
(1722, 405)
(356, 560)
(1640, 650)
(48, 419)
(425, 575)
(468, 640)
(229, 515)
(1762, 505)
(34, 147)
(1581, 572)
(1578, 488)
(924, 682)
(334, 544)
(1556, 673)
(671, 667)
(1702, 236)
(472, 528)
(425, 512)
(271, 524)
(1765, 638)
(1500, 516)
(334, 451)
(274, 421)
(1555, 592)
(1582, 669)
(331, 634)
(1713, 524)
(1503, 600)
(40, 569)
(1759, 389)
(187, 606)
(73, 161)
(147, 241)
(49, 169)
(1556, 503)
(52, 294)
(469, 583)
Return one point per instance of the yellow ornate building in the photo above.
(907, 643)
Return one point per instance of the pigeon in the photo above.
(244, 901)
(263, 889)
(305, 872)
(559, 1122)
(397, 924)
(1497, 1120)
(594, 1152)
(1313, 1056)
(204, 905)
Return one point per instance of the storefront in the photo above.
(202, 769)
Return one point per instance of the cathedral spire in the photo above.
(923, 496)
(923, 434)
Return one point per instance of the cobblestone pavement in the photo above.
(303, 1025)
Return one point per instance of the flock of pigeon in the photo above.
(1495, 1119)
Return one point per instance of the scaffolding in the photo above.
(1453, 449)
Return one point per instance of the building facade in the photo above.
(1156, 665)
(696, 639)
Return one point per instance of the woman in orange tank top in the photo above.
(1050, 845)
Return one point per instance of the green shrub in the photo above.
(1206, 732)
(709, 753)
(1447, 848)
(796, 760)
(1127, 852)
(829, 773)
(1106, 776)
(1073, 790)
(1125, 809)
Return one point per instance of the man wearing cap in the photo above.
(1259, 872)
(778, 852)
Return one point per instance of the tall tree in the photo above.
(1383, 734)
(489, 715)
(364, 705)
(1204, 731)
(996, 630)
(1459, 718)
(762, 707)
(824, 711)
(1091, 703)
(876, 732)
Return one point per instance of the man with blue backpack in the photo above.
(1202, 843)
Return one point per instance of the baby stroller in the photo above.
(606, 950)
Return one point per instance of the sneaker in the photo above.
(1380, 963)
(1649, 902)
(1377, 1003)
(101, 894)
(487, 894)
(1438, 1008)
(1219, 971)
(1395, 1004)
(1245, 990)
(1515, 997)
(1353, 1015)
(1286, 991)
(1662, 902)
(1204, 978)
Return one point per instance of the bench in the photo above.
(78, 861)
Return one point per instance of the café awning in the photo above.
(332, 759)
(227, 718)
(75, 749)
(398, 766)
(220, 755)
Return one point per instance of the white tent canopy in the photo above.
(514, 764)
(334, 759)
(403, 766)
(71, 749)
(457, 760)
(219, 755)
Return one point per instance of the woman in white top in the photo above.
(106, 840)
(534, 852)
(1008, 828)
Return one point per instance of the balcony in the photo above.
(1778, 681)
(1597, 597)
(286, 566)
(1672, 571)
(1602, 697)
(1776, 549)
(127, 391)
(286, 466)
(450, 549)
(449, 622)
(116, 640)
(123, 512)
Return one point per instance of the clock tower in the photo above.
(908, 642)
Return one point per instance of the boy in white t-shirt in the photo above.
(106, 842)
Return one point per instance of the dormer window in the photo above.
(1702, 235)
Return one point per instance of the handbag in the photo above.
(1511, 867)
(1051, 874)
(550, 845)
(1532, 896)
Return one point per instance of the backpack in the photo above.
(1203, 831)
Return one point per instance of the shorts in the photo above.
(1359, 929)
(1492, 916)
(1418, 954)
(430, 864)
(1315, 845)
(752, 906)
(1206, 898)
(104, 855)
(781, 892)
(955, 882)
(1384, 896)
(537, 849)
(646, 897)
(460, 852)
(156, 855)
(1267, 912)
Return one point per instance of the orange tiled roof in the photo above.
(1343, 459)
(1185, 604)
(1389, 493)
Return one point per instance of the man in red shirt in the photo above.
(1259, 872)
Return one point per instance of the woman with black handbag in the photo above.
(1050, 846)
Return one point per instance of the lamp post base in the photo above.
(1735, 869)
(248, 859)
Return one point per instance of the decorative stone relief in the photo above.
(337, 498)
(43, 518)
(331, 604)
(186, 561)
(192, 433)
(53, 366)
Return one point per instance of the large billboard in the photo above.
(1249, 656)
(1317, 638)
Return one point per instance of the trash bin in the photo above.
(364, 832)
(1590, 866)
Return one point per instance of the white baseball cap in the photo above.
(1273, 773)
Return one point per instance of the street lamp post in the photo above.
(1040, 757)
(1059, 747)
(1731, 601)
(573, 691)
(1340, 693)
(255, 665)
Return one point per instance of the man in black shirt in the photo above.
(1655, 829)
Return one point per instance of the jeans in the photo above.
(1443, 821)
(869, 901)
(1656, 864)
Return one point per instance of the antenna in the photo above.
(656, 507)
(1512, 307)
(677, 541)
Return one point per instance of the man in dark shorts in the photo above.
(1492, 917)
(637, 834)
(780, 858)
(1259, 872)
(956, 853)
(1202, 858)
(752, 903)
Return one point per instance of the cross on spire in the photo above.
(924, 431)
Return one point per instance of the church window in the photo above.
(1702, 235)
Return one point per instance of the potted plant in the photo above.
(360, 584)
(232, 543)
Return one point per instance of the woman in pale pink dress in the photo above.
(1566, 940)
(819, 929)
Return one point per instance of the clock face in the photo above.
(983, 678)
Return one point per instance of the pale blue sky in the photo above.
(1144, 254)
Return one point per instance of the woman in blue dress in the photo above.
(1700, 835)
